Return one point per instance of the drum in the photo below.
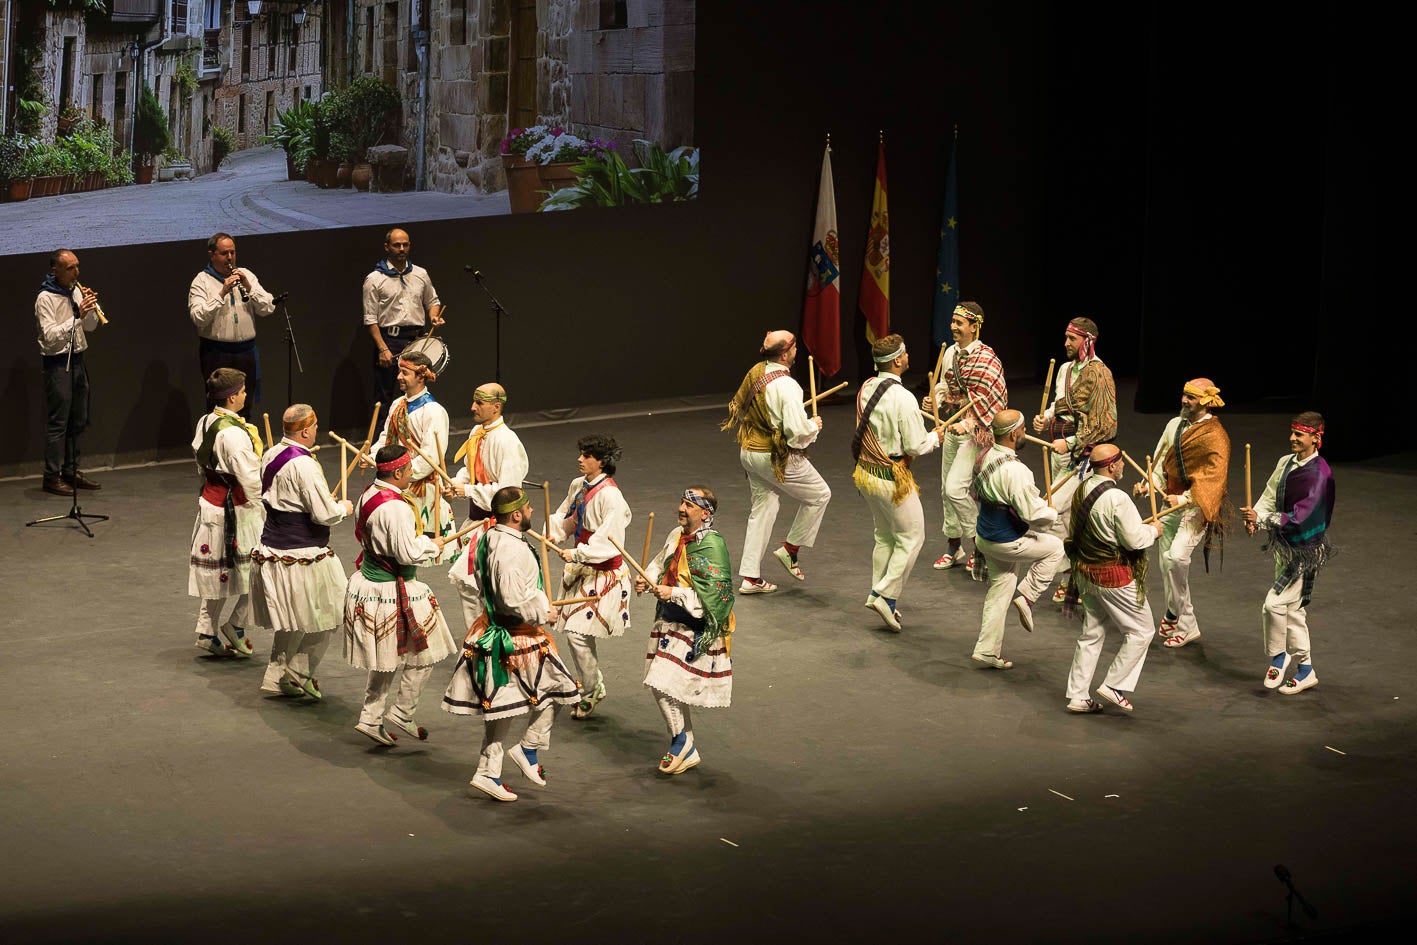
(434, 350)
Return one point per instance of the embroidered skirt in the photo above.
(535, 675)
(206, 578)
(371, 619)
(608, 617)
(297, 588)
(671, 668)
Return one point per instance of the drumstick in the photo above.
(1150, 484)
(1165, 512)
(631, 561)
(1047, 385)
(343, 473)
(649, 536)
(812, 381)
(1249, 497)
(1062, 479)
(812, 401)
(267, 417)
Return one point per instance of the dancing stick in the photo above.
(546, 513)
(573, 600)
(368, 437)
(953, 417)
(1165, 512)
(1249, 497)
(1046, 444)
(812, 380)
(269, 442)
(424, 456)
(458, 536)
(649, 536)
(1062, 479)
(357, 451)
(631, 561)
(1150, 486)
(812, 401)
(545, 565)
(939, 365)
(1048, 475)
(1047, 385)
(343, 473)
(934, 401)
(1137, 466)
(438, 499)
(540, 537)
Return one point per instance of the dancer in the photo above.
(593, 512)
(1192, 463)
(773, 430)
(391, 619)
(889, 435)
(1013, 526)
(971, 373)
(689, 660)
(509, 665)
(229, 516)
(420, 423)
(1083, 414)
(298, 584)
(1108, 552)
(1296, 508)
(493, 457)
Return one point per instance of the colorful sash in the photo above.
(377, 568)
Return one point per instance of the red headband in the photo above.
(396, 464)
(299, 425)
(1317, 432)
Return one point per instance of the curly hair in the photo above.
(602, 448)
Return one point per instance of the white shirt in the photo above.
(1060, 388)
(1013, 485)
(429, 425)
(391, 531)
(513, 571)
(896, 419)
(1265, 510)
(226, 317)
(55, 317)
(232, 453)
(300, 486)
(607, 514)
(389, 302)
(1163, 449)
(1116, 518)
(506, 462)
(685, 597)
(785, 410)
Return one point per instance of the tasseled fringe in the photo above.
(903, 487)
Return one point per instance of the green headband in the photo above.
(483, 397)
(510, 507)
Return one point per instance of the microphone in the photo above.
(1283, 874)
(476, 273)
(279, 298)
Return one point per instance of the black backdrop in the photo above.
(1198, 180)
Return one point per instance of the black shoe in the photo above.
(79, 481)
(56, 486)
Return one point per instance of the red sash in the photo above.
(583, 534)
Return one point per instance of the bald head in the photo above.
(1107, 459)
(488, 402)
(1008, 428)
(780, 346)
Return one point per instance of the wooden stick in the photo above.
(546, 513)
(1137, 466)
(939, 365)
(1150, 484)
(574, 600)
(269, 442)
(953, 417)
(1249, 496)
(458, 536)
(1046, 444)
(1062, 479)
(934, 402)
(344, 473)
(811, 380)
(357, 451)
(437, 497)
(545, 566)
(1047, 385)
(649, 536)
(631, 561)
(368, 438)
(812, 401)
(1048, 475)
(1167, 511)
(541, 538)
(424, 456)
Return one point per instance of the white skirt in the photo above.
(370, 621)
(706, 681)
(535, 675)
(206, 578)
(607, 617)
(297, 589)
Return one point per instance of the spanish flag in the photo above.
(821, 314)
(874, 302)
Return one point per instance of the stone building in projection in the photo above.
(612, 69)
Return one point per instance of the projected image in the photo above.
(158, 120)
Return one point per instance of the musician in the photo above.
(399, 301)
(223, 302)
(64, 313)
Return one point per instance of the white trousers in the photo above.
(1062, 500)
(1037, 556)
(802, 482)
(899, 535)
(376, 693)
(299, 652)
(957, 456)
(209, 614)
(1115, 608)
(1286, 624)
(584, 661)
(497, 732)
(1180, 535)
(676, 716)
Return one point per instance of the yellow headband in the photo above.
(967, 315)
(484, 397)
(510, 507)
(1210, 397)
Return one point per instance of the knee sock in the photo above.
(792, 549)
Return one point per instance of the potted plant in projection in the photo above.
(150, 135)
(16, 173)
(363, 115)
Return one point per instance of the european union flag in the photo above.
(947, 260)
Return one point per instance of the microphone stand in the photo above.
(497, 314)
(292, 350)
(76, 513)
(1290, 896)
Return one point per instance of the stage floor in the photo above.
(864, 784)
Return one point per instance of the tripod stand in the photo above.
(75, 513)
(497, 313)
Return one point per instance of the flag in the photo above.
(947, 261)
(821, 315)
(874, 301)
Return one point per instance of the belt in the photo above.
(393, 331)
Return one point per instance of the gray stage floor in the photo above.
(863, 784)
